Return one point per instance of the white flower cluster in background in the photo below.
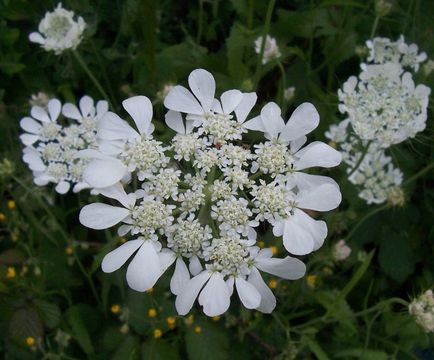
(422, 308)
(383, 107)
(271, 50)
(58, 31)
(375, 176)
(52, 145)
(198, 201)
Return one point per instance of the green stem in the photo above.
(92, 77)
(365, 151)
(265, 31)
(366, 217)
(199, 22)
(374, 27)
(251, 9)
(283, 84)
(419, 174)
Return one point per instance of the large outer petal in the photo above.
(71, 111)
(140, 109)
(268, 301)
(145, 268)
(202, 84)
(323, 198)
(317, 153)
(249, 295)
(272, 120)
(86, 105)
(30, 125)
(54, 107)
(245, 106)
(185, 300)
(101, 173)
(215, 296)
(230, 100)
(100, 216)
(175, 122)
(287, 268)
(180, 99)
(116, 258)
(180, 277)
(112, 127)
(117, 192)
(302, 121)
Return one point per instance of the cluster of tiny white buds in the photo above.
(422, 309)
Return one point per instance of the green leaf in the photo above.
(315, 348)
(210, 344)
(127, 349)
(362, 354)
(235, 43)
(74, 317)
(396, 257)
(50, 313)
(26, 322)
(159, 349)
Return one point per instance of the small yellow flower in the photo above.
(152, 313)
(197, 329)
(157, 333)
(2, 217)
(272, 283)
(115, 309)
(171, 322)
(274, 250)
(69, 250)
(150, 291)
(215, 318)
(11, 272)
(30, 341)
(11, 205)
(311, 280)
(189, 320)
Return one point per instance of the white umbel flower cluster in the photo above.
(422, 308)
(52, 144)
(202, 197)
(58, 31)
(271, 50)
(384, 107)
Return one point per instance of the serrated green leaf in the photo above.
(210, 344)
(25, 322)
(50, 313)
(159, 349)
(74, 317)
(128, 349)
(396, 257)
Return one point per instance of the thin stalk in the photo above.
(419, 174)
(374, 27)
(365, 151)
(366, 217)
(283, 83)
(92, 77)
(265, 31)
(251, 9)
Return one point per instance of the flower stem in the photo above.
(374, 27)
(365, 151)
(265, 31)
(419, 174)
(366, 217)
(283, 84)
(92, 77)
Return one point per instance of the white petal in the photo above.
(63, 187)
(297, 239)
(194, 265)
(28, 139)
(317, 228)
(36, 38)
(175, 122)
(309, 181)
(112, 127)
(71, 111)
(302, 121)
(101, 173)
(317, 154)
(230, 100)
(249, 296)
(245, 106)
(100, 216)
(54, 108)
(140, 109)
(202, 84)
(124, 229)
(40, 114)
(180, 99)
(215, 297)
(271, 119)
(167, 257)
(255, 124)
(324, 198)
(287, 268)
(116, 258)
(30, 125)
(86, 105)
(180, 277)
(296, 144)
(230, 285)
(185, 300)
(101, 108)
(32, 157)
(268, 301)
(117, 192)
(144, 270)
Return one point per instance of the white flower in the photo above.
(289, 93)
(341, 250)
(51, 148)
(58, 31)
(422, 308)
(40, 99)
(384, 106)
(271, 50)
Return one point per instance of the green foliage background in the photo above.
(356, 309)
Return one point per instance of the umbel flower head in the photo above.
(422, 309)
(200, 198)
(58, 31)
(52, 145)
(271, 50)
